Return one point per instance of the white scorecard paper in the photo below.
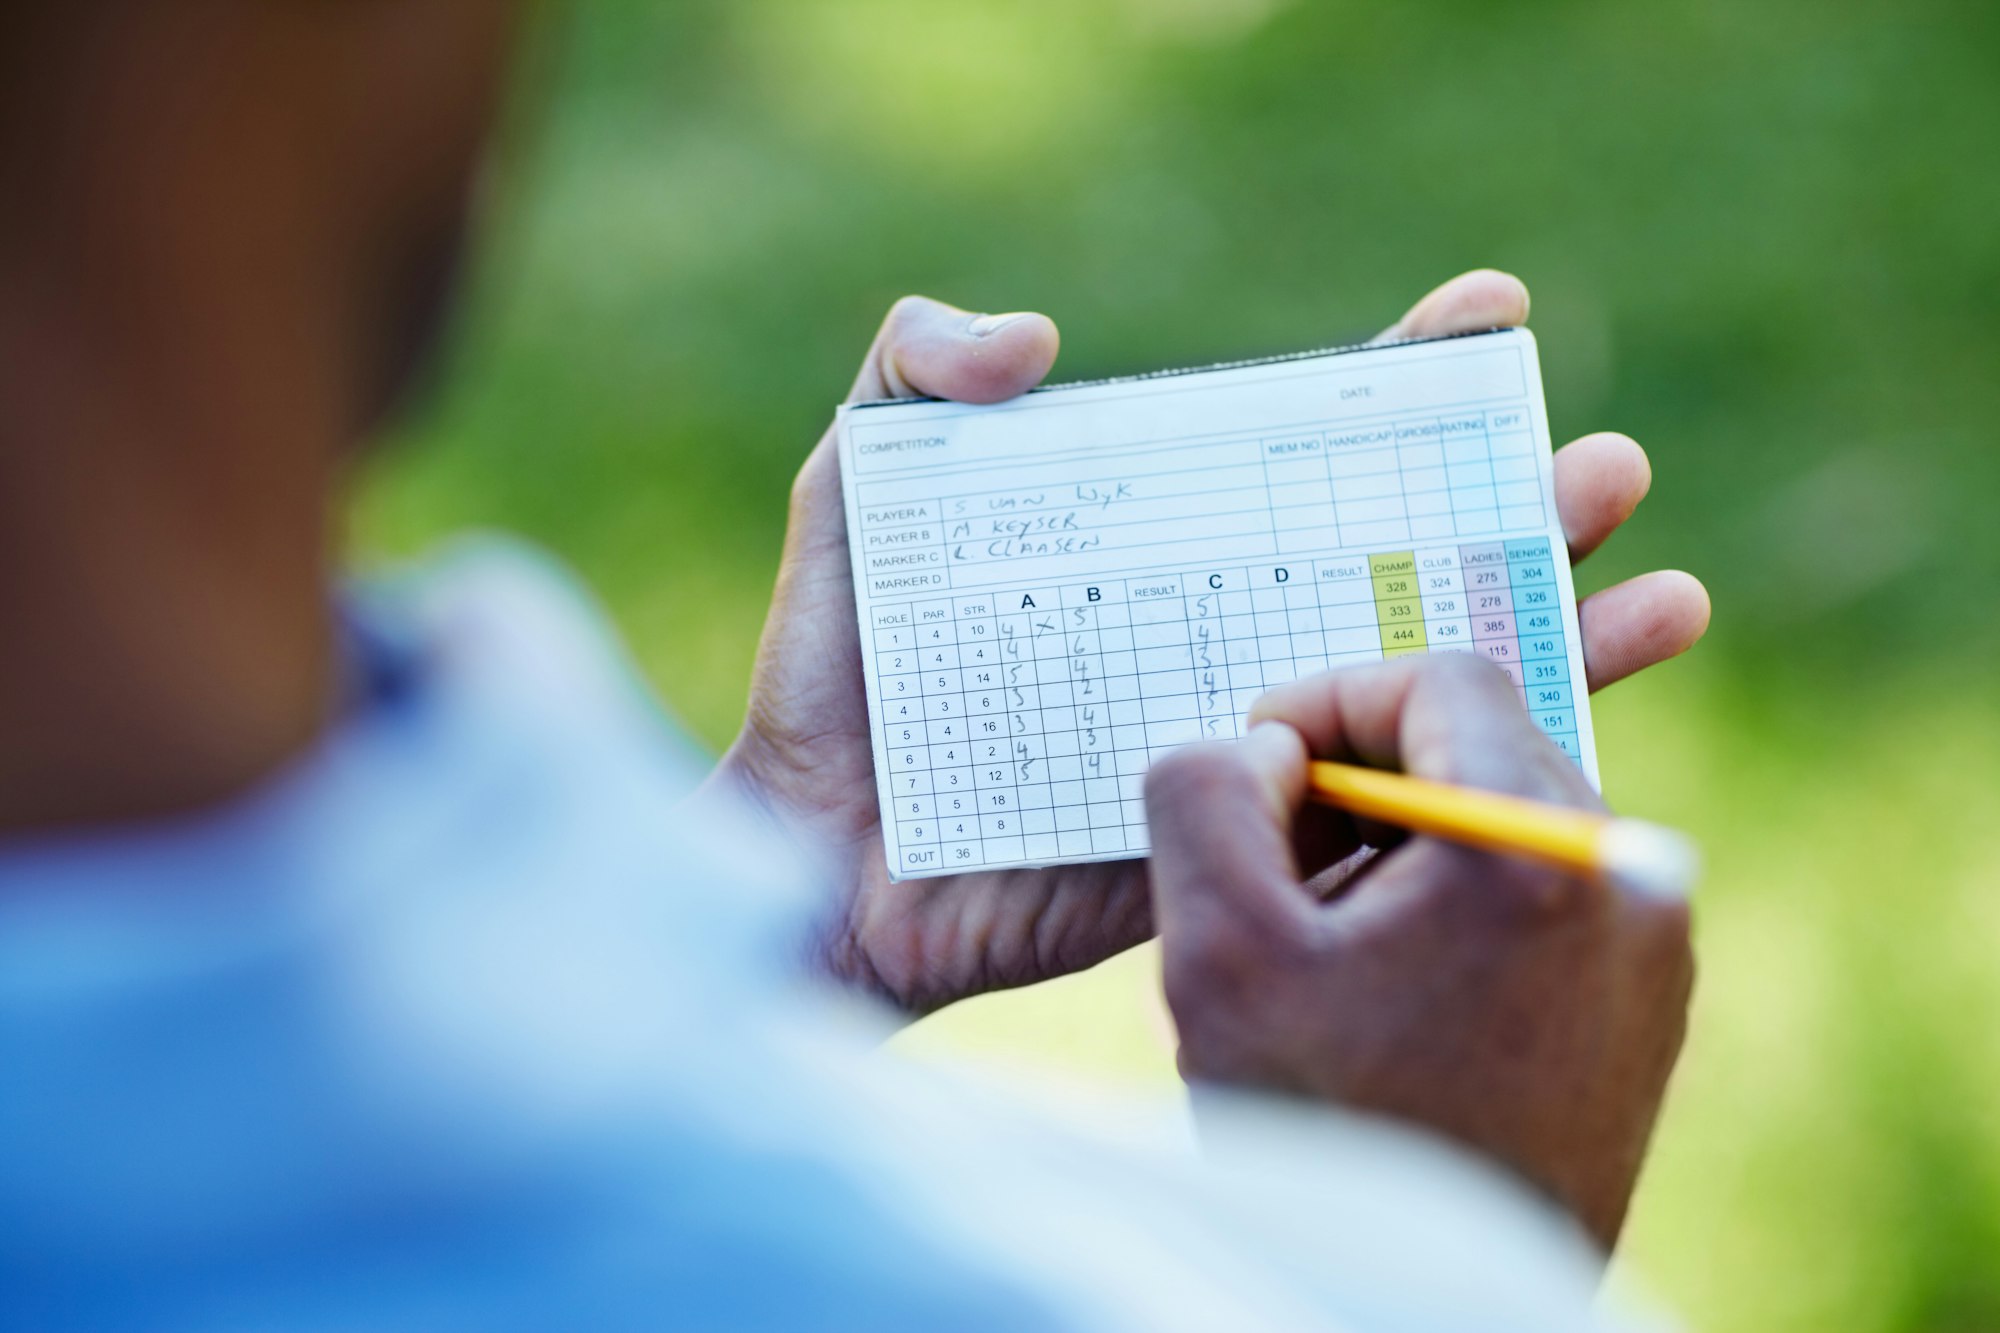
(1055, 591)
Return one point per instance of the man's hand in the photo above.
(1530, 1015)
(805, 748)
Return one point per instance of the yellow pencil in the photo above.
(1628, 853)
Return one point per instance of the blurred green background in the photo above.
(1763, 237)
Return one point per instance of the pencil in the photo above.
(1625, 853)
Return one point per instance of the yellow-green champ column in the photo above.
(1399, 608)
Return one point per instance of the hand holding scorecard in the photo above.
(1056, 590)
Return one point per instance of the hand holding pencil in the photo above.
(1494, 984)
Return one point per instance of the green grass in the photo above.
(1762, 240)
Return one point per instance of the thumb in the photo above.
(1225, 881)
(1481, 299)
(929, 349)
(925, 348)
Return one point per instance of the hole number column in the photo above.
(901, 690)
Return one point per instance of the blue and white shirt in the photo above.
(470, 1022)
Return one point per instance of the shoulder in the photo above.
(488, 605)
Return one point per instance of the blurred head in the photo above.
(227, 235)
(277, 187)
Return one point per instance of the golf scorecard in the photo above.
(1055, 591)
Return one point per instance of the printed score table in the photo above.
(1020, 723)
(1044, 622)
